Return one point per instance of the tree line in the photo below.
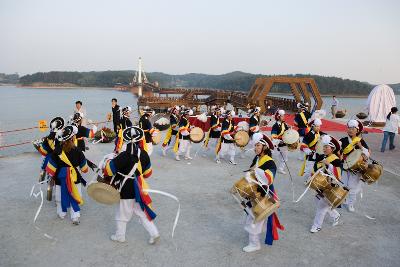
(229, 81)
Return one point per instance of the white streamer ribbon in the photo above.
(174, 198)
(156, 192)
(361, 202)
(308, 187)
(101, 139)
(36, 195)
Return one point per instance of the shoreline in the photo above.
(113, 88)
(59, 87)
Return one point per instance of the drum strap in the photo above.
(209, 131)
(218, 147)
(310, 145)
(51, 143)
(130, 174)
(207, 138)
(303, 166)
(282, 129)
(314, 142)
(119, 141)
(127, 176)
(330, 158)
(168, 136)
(147, 190)
(71, 178)
(264, 159)
(336, 170)
(351, 144)
(169, 132)
(303, 118)
(186, 127)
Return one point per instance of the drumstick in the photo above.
(91, 165)
(198, 150)
(290, 175)
(246, 209)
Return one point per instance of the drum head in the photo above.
(290, 137)
(243, 125)
(265, 208)
(245, 189)
(319, 147)
(373, 173)
(352, 159)
(103, 193)
(242, 138)
(196, 135)
(318, 181)
(336, 195)
(156, 139)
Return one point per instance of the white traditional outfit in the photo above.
(308, 146)
(264, 171)
(64, 167)
(352, 179)
(129, 170)
(214, 133)
(145, 124)
(183, 143)
(226, 144)
(172, 131)
(334, 168)
(280, 153)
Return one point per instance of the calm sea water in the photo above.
(24, 107)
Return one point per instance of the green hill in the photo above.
(233, 81)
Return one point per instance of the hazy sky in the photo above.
(350, 39)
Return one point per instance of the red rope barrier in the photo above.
(18, 144)
(36, 127)
(18, 130)
(29, 142)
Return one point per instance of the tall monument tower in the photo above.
(140, 77)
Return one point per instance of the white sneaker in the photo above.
(281, 171)
(61, 216)
(336, 220)
(232, 162)
(117, 239)
(218, 161)
(177, 158)
(251, 248)
(315, 229)
(76, 221)
(188, 157)
(164, 152)
(154, 239)
(350, 208)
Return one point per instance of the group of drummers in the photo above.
(335, 169)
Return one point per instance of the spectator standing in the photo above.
(390, 129)
(115, 114)
(334, 106)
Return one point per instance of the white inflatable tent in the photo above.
(380, 101)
